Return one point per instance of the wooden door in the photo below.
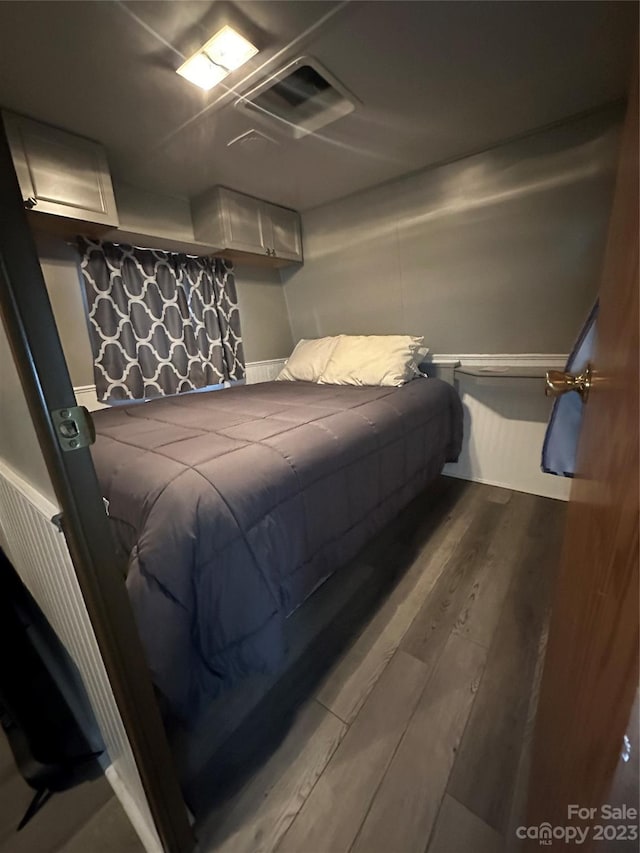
(591, 668)
(25, 311)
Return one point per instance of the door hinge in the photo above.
(74, 427)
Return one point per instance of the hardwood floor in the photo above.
(86, 819)
(403, 721)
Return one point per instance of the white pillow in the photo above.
(420, 355)
(308, 360)
(372, 360)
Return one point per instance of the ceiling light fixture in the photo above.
(223, 53)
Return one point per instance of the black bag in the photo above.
(50, 750)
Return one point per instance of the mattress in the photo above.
(235, 505)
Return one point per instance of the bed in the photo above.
(234, 506)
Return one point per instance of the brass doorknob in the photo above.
(558, 382)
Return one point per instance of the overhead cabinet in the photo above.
(240, 225)
(62, 176)
(67, 189)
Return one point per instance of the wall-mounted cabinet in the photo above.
(64, 178)
(283, 228)
(243, 226)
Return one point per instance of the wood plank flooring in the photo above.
(406, 804)
(85, 819)
(401, 721)
(459, 831)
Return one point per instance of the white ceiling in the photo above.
(435, 81)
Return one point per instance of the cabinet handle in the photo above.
(30, 202)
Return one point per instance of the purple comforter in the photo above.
(235, 505)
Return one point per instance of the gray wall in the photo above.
(499, 252)
(19, 445)
(59, 263)
(263, 312)
(156, 214)
(266, 331)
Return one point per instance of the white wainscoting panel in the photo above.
(86, 396)
(505, 419)
(504, 426)
(264, 371)
(257, 371)
(38, 552)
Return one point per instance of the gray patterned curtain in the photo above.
(160, 323)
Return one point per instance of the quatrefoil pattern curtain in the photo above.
(160, 323)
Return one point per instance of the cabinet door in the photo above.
(244, 224)
(285, 236)
(60, 173)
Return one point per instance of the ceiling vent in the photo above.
(300, 98)
(252, 140)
